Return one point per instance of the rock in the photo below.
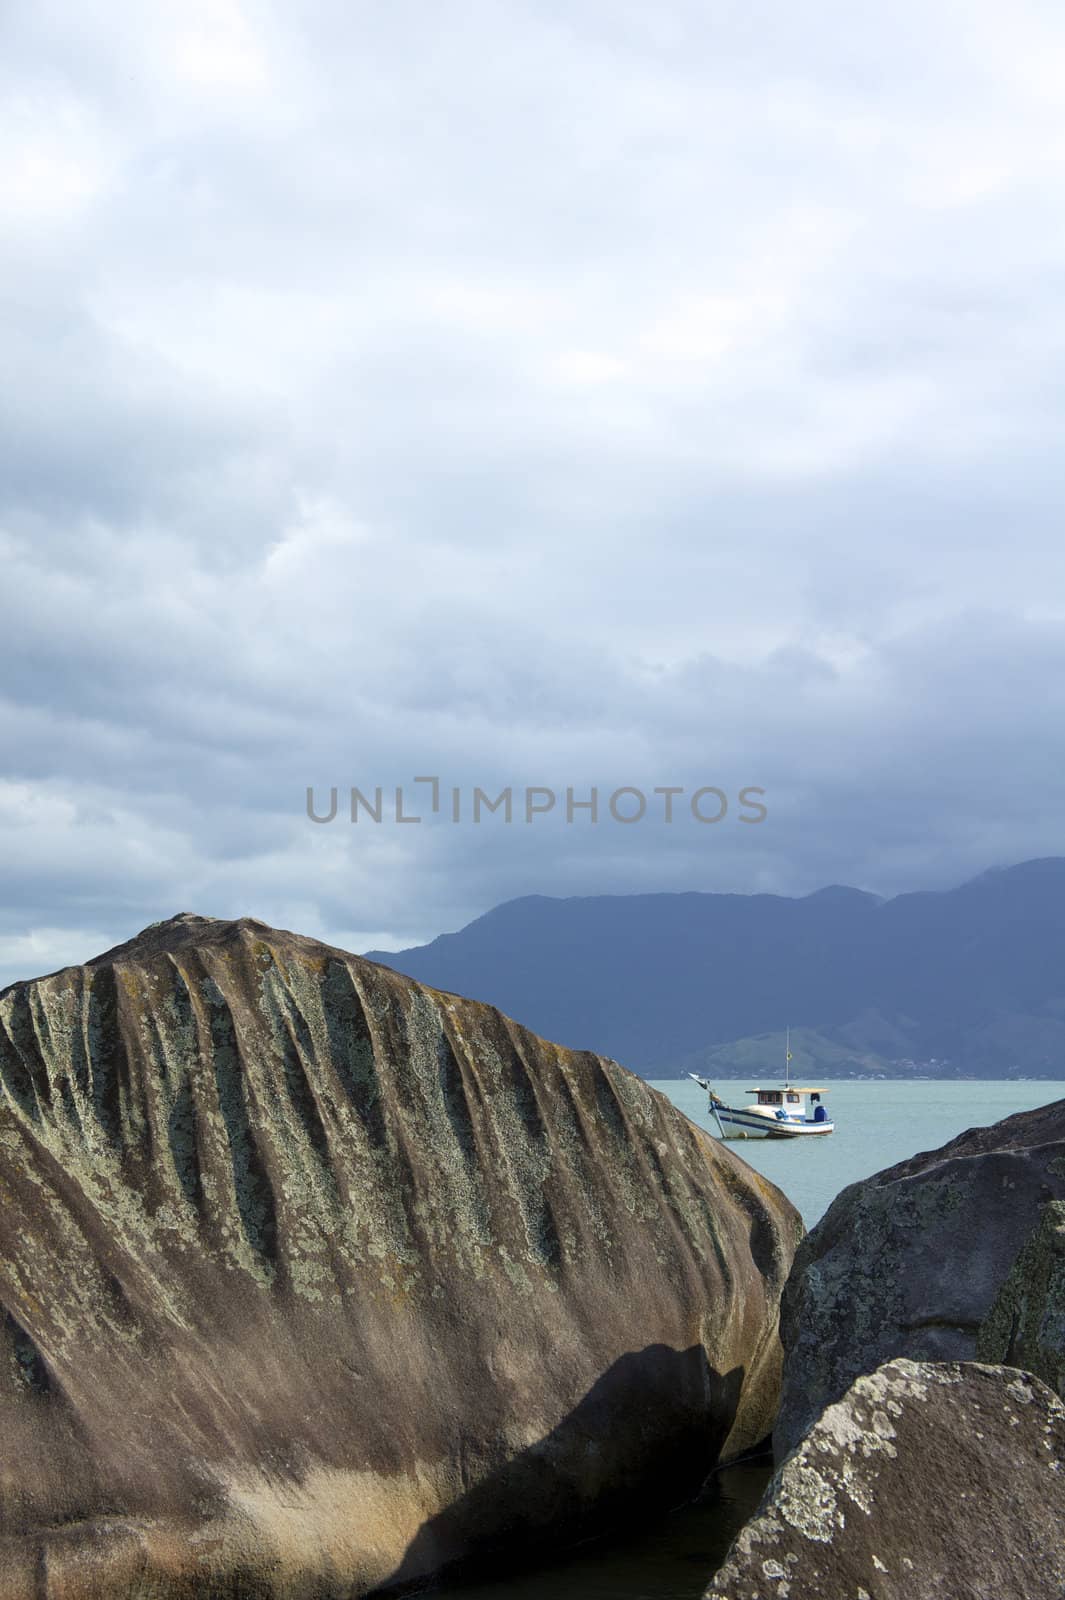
(909, 1262)
(1026, 1325)
(925, 1480)
(314, 1280)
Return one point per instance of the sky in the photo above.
(554, 395)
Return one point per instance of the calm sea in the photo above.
(877, 1124)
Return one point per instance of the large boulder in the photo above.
(924, 1481)
(909, 1262)
(1026, 1325)
(314, 1280)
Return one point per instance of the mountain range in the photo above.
(964, 982)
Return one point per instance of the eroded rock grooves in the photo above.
(313, 1280)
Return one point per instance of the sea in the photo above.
(878, 1123)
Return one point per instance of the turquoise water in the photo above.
(877, 1124)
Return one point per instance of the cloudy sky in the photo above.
(523, 393)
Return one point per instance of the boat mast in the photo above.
(787, 1059)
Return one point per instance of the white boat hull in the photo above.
(761, 1120)
(738, 1124)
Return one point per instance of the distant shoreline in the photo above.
(831, 1075)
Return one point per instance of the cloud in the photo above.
(531, 395)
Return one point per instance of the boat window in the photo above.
(814, 1097)
(793, 1099)
(769, 1097)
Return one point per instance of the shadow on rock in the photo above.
(660, 1415)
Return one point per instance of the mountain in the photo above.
(967, 981)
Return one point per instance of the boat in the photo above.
(782, 1111)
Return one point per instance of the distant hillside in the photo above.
(967, 981)
(813, 1055)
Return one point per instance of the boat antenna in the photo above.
(787, 1059)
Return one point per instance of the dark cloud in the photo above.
(558, 395)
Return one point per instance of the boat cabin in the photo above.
(793, 1100)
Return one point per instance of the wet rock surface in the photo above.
(925, 1480)
(909, 1263)
(314, 1280)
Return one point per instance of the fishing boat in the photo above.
(783, 1111)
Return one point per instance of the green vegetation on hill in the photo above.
(812, 1054)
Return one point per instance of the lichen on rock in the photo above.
(314, 1280)
(925, 1480)
(909, 1262)
(1025, 1326)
